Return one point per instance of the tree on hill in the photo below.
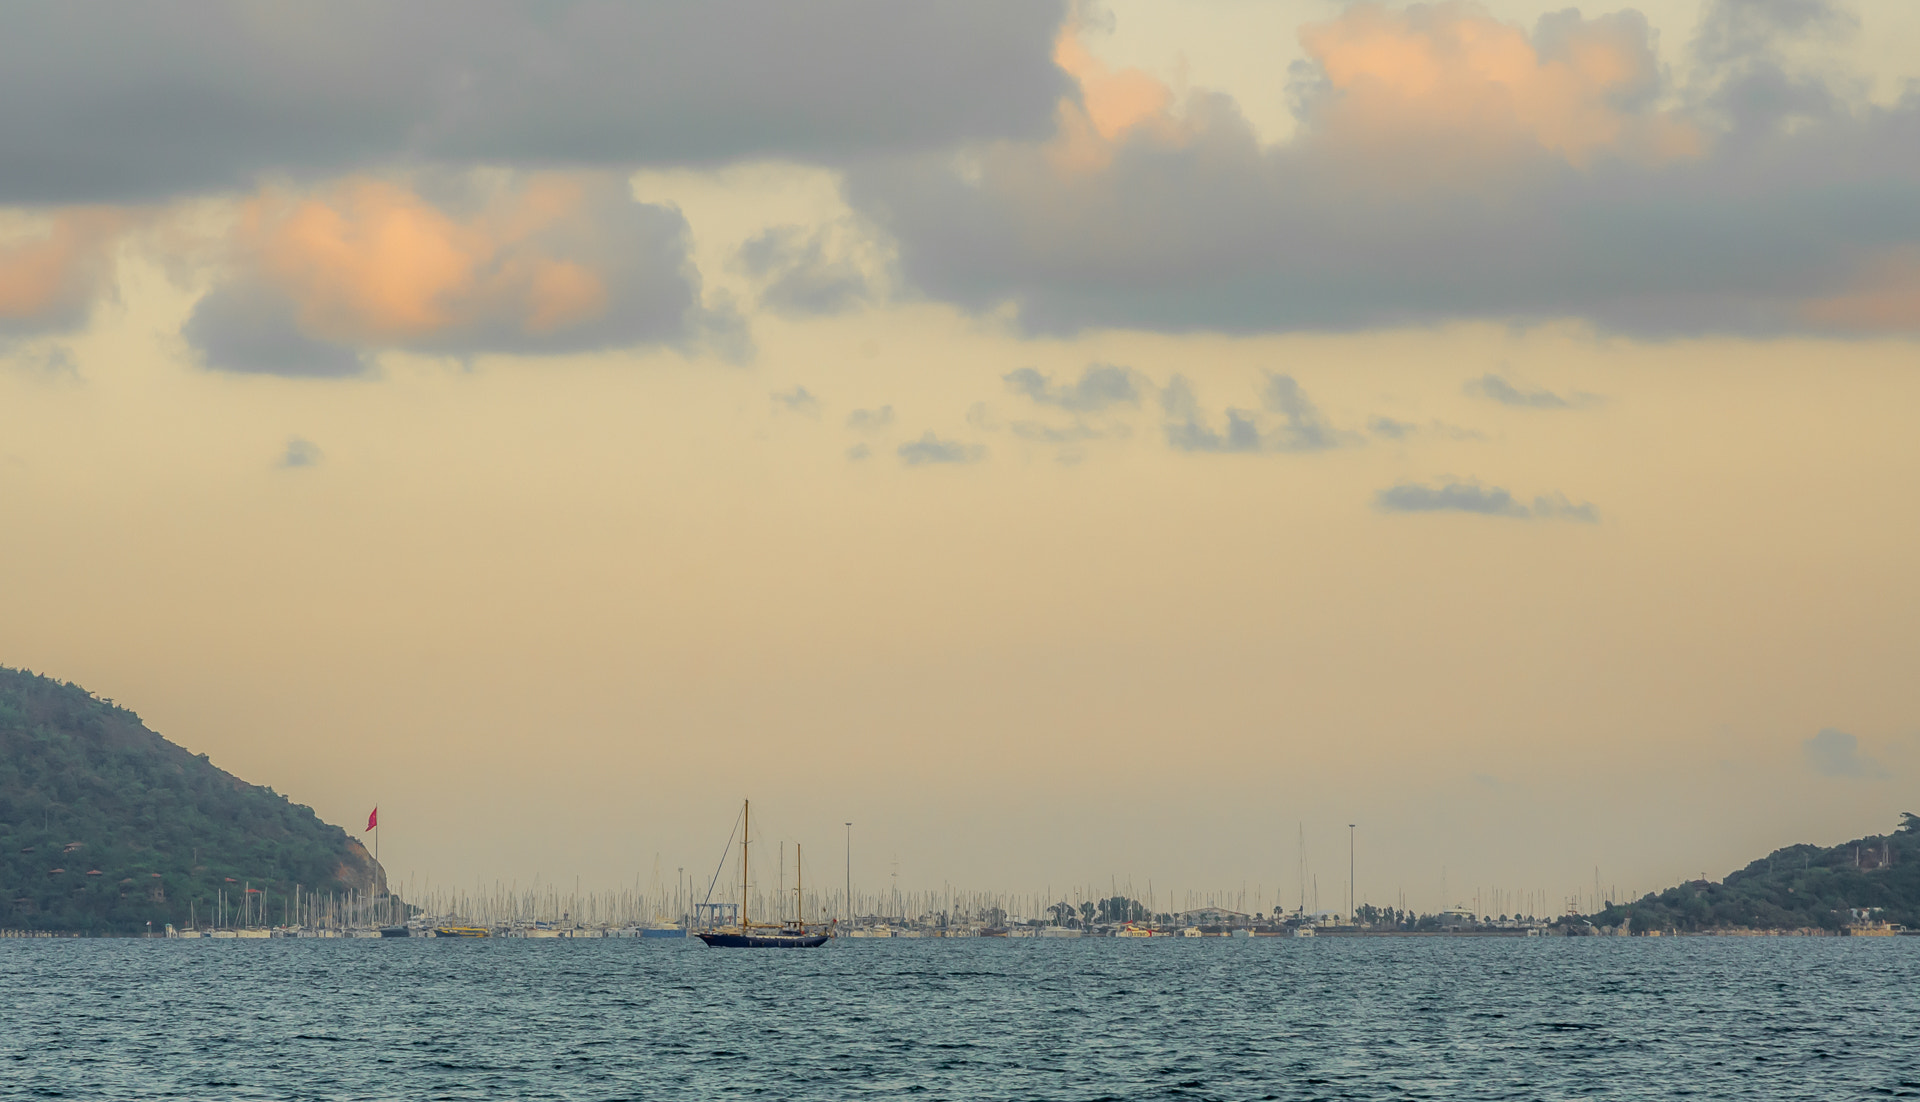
(105, 826)
(1800, 887)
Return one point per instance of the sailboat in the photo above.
(763, 935)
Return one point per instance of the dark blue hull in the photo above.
(763, 941)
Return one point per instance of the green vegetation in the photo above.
(1867, 880)
(105, 826)
(1392, 918)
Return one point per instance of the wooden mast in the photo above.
(746, 831)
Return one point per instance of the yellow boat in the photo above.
(462, 931)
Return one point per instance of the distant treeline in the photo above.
(106, 827)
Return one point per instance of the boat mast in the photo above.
(746, 831)
(799, 898)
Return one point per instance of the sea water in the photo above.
(1547, 1018)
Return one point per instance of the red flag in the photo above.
(373, 820)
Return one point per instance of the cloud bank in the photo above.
(1448, 165)
(103, 102)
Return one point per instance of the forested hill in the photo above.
(105, 826)
(1870, 879)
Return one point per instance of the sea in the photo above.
(1082, 1020)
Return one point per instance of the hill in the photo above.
(105, 825)
(1870, 879)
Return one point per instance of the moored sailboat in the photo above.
(762, 935)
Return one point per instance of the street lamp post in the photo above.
(1350, 917)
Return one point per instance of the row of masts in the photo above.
(799, 919)
(254, 908)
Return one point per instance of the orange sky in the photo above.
(1522, 597)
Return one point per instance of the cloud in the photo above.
(1556, 506)
(1447, 166)
(870, 420)
(1391, 429)
(300, 453)
(541, 264)
(1742, 32)
(52, 362)
(52, 274)
(120, 103)
(1298, 426)
(1453, 496)
(930, 450)
(1099, 386)
(797, 275)
(797, 400)
(246, 327)
(1498, 389)
(1387, 428)
(1301, 429)
(1834, 753)
(859, 452)
(1434, 73)
(1883, 296)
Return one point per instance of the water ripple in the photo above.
(993, 1019)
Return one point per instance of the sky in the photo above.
(1077, 445)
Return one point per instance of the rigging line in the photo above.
(724, 854)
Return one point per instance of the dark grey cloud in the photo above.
(244, 327)
(123, 102)
(1498, 389)
(300, 453)
(1099, 386)
(931, 450)
(1832, 753)
(797, 400)
(796, 274)
(1454, 496)
(1796, 193)
(1290, 423)
(870, 420)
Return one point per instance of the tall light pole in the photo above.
(1350, 917)
(849, 875)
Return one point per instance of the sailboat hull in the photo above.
(763, 941)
